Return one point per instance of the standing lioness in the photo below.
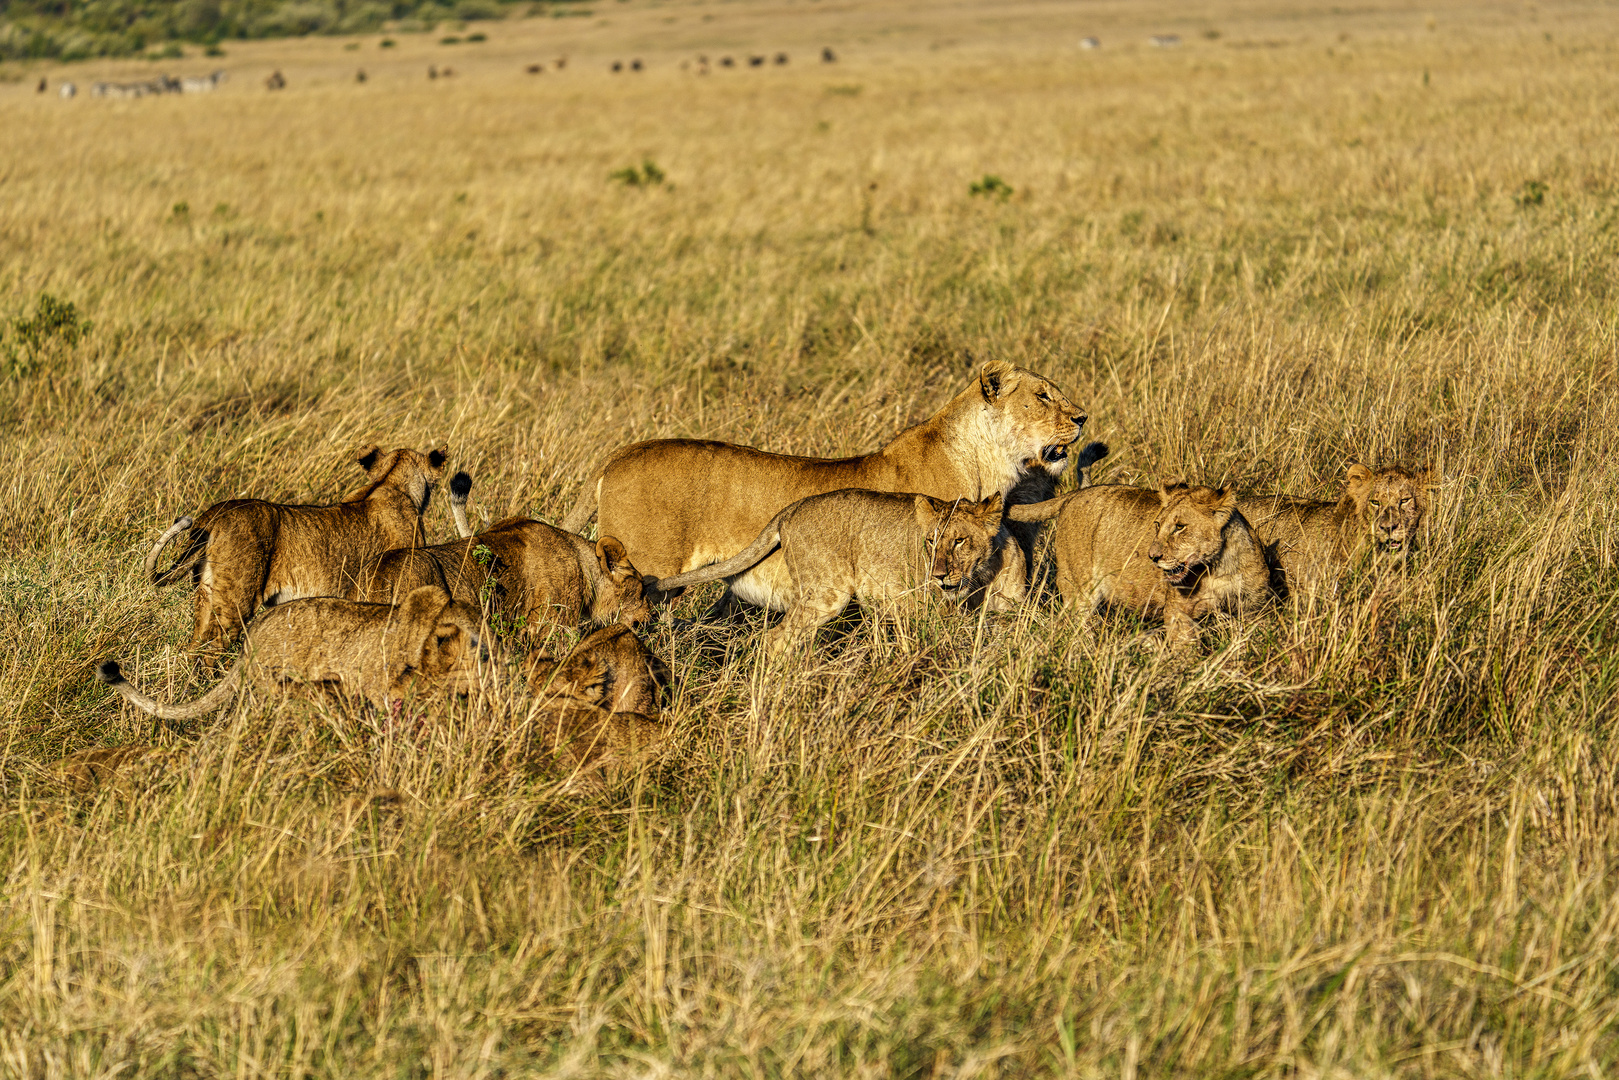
(870, 545)
(247, 552)
(680, 504)
(1179, 552)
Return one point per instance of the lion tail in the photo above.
(184, 563)
(1088, 456)
(1040, 511)
(746, 559)
(108, 672)
(460, 486)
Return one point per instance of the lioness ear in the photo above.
(414, 621)
(992, 378)
(366, 457)
(437, 458)
(614, 560)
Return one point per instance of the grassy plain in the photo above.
(1375, 837)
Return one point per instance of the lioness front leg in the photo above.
(812, 609)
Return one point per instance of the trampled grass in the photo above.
(1369, 837)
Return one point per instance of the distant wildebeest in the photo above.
(781, 58)
(42, 86)
(446, 73)
(635, 65)
(1090, 43)
(1165, 41)
(618, 66)
(535, 69)
(756, 61)
(828, 56)
(276, 81)
(726, 61)
(432, 71)
(68, 90)
(561, 62)
(359, 76)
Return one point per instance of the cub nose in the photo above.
(1079, 420)
(1155, 552)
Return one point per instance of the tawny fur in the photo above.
(244, 553)
(370, 652)
(535, 575)
(1039, 483)
(680, 504)
(1309, 542)
(865, 545)
(610, 668)
(1179, 553)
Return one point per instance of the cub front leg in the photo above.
(812, 608)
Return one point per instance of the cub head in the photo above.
(439, 638)
(1189, 533)
(1392, 501)
(961, 537)
(620, 596)
(411, 472)
(1031, 419)
(610, 669)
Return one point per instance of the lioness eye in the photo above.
(959, 541)
(1043, 397)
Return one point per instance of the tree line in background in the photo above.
(80, 29)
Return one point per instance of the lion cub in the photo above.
(600, 704)
(247, 552)
(534, 574)
(1309, 541)
(1179, 552)
(372, 652)
(870, 545)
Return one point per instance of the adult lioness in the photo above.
(680, 504)
(1179, 552)
(247, 552)
(1308, 541)
(373, 652)
(871, 545)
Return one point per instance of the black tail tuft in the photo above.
(1091, 454)
(108, 672)
(460, 485)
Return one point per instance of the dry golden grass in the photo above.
(1373, 837)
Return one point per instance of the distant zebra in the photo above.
(1165, 41)
(1090, 43)
(68, 90)
(202, 84)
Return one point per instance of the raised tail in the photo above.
(460, 486)
(217, 698)
(182, 564)
(1089, 455)
(584, 507)
(745, 559)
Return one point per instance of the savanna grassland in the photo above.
(1372, 836)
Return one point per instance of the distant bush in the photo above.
(990, 187)
(80, 29)
(55, 326)
(647, 175)
(1533, 193)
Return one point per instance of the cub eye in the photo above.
(1405, 501)
(1179, 526)
(1374, 502)
(1043, 397)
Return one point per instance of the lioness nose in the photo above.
(1079, 419)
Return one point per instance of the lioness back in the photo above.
(680, 504)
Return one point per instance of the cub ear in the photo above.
(367, 457)
(1169, 491)
(989, 511)
(928, 513)
(1358, 475)
(1225, 504)
(992, 378)
(613, 559)
(436, 458)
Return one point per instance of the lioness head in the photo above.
(1189, 534)
(411, 472)
(610, 669)
(440, 638)
(620, 596)
(1031, 418)
(1392, 501)
(961, 536)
